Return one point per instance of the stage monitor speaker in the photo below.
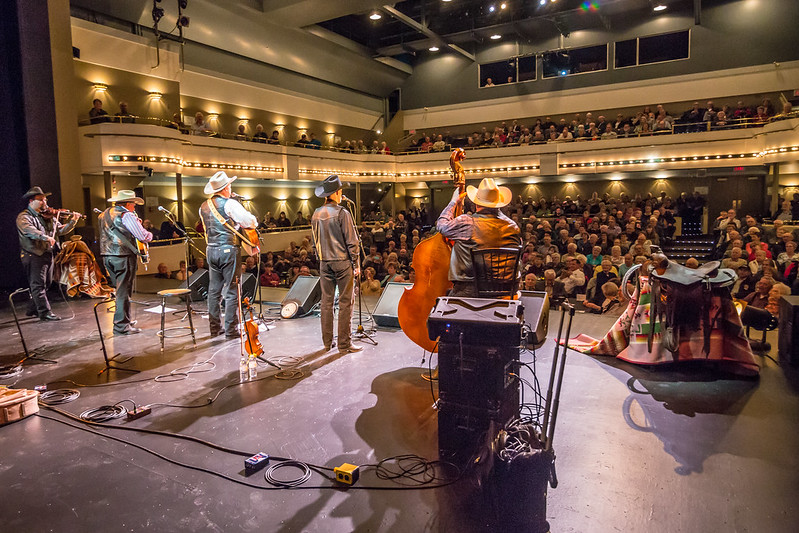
(536, 316)
(198, 283)
(249, 284)
(303, 295)
(385, 313)
(789, 330)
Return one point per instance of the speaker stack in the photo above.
(198, 283)
(478, 349)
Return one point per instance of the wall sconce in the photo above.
(244, 121)
(155, 95)
(213, 116)
(102, 87)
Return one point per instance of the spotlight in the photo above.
(375, 15)
(542, 2)
(496, 36)
(491, 8)
(659, 7)
(183, 21)
(183, 3)
(433, 48)
(503, 5)
(158, 12)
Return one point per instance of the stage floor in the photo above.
(638, 449)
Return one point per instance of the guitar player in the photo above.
(224, 218)
(120, 233)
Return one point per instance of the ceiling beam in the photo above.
(408, 21)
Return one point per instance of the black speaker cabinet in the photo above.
(303, 295)
(478, 376)
(536, 316)
(198, 283)
(249, 285)
(385, 312)
(789, 330)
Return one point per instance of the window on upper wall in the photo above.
(526, 67)
(653, 49)
(499, 72)
(575, 61)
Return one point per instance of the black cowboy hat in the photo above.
(328, 187)
(35, 191)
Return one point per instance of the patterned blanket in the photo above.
(627, 338)
(82, 274)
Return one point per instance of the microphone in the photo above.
(343, 197)
(164, 210)
(97, 211)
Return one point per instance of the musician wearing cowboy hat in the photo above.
(120, 228)
(37, 237)
(488, 227)
(221, 214)
(337, 248)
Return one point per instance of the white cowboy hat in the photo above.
(126, 196)
(217, 182)
(489, 194)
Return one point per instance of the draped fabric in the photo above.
(628, 338)
(79, 272)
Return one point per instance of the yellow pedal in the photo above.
(347, 473)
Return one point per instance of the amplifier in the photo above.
(479, 321)
(789, 330)
(478, 376)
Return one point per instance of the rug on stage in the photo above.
(628, 337)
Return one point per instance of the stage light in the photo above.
(542, 2)
(496, 36)
(433, 48)
(491, 8)
(375, 15)
(659, 7)
(503, 5)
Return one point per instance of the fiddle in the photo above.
(52, 212)
(251, 342)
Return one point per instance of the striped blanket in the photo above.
(627, 338)
(81, 274)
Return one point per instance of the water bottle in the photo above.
(243, 370)
(253, 368)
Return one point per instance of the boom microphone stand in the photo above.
(360, 332)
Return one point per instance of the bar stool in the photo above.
(180, 329)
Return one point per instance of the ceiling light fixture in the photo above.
(660, 7)
(433, 48)
(375, 15)
(496, 36)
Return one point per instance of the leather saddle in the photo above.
(681, 298)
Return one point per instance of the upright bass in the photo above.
(431, 264)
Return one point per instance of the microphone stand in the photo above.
(360, 332)
(187, 242)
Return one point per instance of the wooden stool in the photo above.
(163, 331)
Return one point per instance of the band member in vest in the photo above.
(120, 228)
(337, 248)
(37, 236)
(223, 251)
(488, 227)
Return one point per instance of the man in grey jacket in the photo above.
(37, 237)
(337, 248)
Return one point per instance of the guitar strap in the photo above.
(224, 222)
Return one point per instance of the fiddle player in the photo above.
(488, 227)
(120, 228)
(37, 237)
(337, 248)
(221, 215)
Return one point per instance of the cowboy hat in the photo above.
(489, 194)
(217, 182)
(35, 191)
(328, 187)
(125, 196)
